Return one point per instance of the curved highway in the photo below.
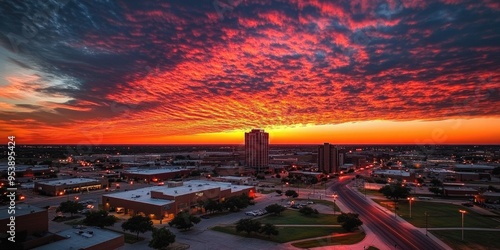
(395, 233)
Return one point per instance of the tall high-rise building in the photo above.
(328, 158)
(257, 150)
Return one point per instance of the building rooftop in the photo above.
(81, 238)
(20, 168)
(21, 209)
(144, 194)
(473, 166)
(60, 182)
(305, 172)
(153, 171)
(234, 177)
(491, 194)
(391, 172)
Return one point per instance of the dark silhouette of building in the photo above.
(328, 158)
(257, 150)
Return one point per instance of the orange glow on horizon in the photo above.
(453, 131)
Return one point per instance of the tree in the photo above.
(247, 225)
(496, 171)
(279, 192)
(349, 221)
(436, 190)
(236, 203)
(275, 209)
(308, 210)
(138, 224)
(314, 181)
(161, 238)
(420, 180)
(291, 193)
(212, 206)
(99, 219)
(70, 207)
(395, 191)
(184, 221)
(269, 229)
(436, 183)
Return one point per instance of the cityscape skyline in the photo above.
(197, 72)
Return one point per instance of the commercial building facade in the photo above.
(257, 150)
(69, 186)
(164, 202)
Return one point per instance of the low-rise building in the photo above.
(30, 219)
(237, 180)
(317, 175)
(155, 175)
(68, 186)
(160, 202)
(90, 238)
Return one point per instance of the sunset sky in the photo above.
(170, 72)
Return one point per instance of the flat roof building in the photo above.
(68, 186)
(161, 202)
(29, 218)
(156, 174)
(90, 238)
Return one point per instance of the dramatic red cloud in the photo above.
(305, 70)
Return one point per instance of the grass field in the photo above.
(370, 192)
(293, 217)
(477, 240)
(129, 238)
(323, 202)
(339, 239)
(440, 215)
(286, 234)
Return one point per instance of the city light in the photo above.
(410, 199)
(462, 212)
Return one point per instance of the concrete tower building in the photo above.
(257, 150)
(328, 158)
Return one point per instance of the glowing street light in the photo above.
(410, 199)
(462, 212)
(334, 204)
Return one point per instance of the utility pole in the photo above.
(426, 214)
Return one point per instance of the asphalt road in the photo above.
(396, 233)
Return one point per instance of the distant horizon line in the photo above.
(242, 144)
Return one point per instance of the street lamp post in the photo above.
(426, 214)
(462, 212)
(364, 187)
(410, 199)
(334, 204)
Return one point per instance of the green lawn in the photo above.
(286, 234)
(323, 202)
(129, 238)
(440, 214)
(478, 240)
(340, 239)
(370, 192)
(293, 217)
